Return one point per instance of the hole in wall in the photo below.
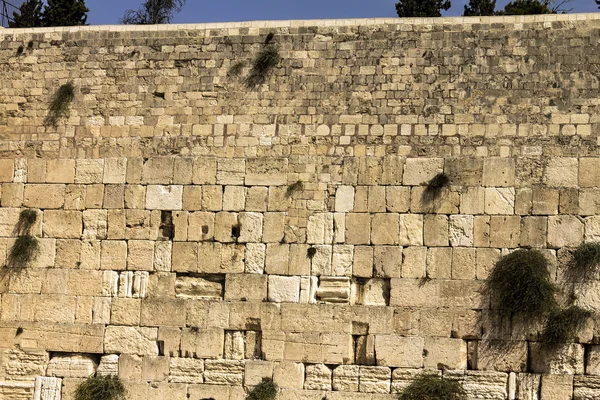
(167, 229)
(235, 231)
(205, 229)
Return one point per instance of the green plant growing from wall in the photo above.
(59, 104)
(520, 282)
(586, 259)
(435, 189)
(562, 325)
(101, 388)
(26, 247)
(293, 188)
(433, 387)
(263, 63)
(236, 69)
(27, 219)
(265, 390)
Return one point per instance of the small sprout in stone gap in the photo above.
(586, 259)
(236, 69)
(267, 58)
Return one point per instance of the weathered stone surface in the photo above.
(318, 377)
(334, 289)
(164, 197)
(224, 372)
(284, 289)
(131, 340)
(190, 287)
(47, 388)
(71, 366)
(109, 365)
(566, 360)
(564, 230)
(396, 351)
(375, 379)
(186, 370)
(345, 378)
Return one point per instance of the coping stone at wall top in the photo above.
(313, 22)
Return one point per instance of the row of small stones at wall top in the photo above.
(516, 19)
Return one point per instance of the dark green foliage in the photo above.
(65, 13)
(311, 252)
(480, 8)
(435, 188)
(101, 388)
(263, 63)
(422, 8)
(293, 188)
(153, 12)
(23, 252)
(26, 221)
(59, 104)
(265, 390)
(520, 282)
(236, 69)
(586, 257)
(432, 387)
(562, 325)
(526, 7)
(28, 16)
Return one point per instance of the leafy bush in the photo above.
(293, 188)
(562, 325)
(433, 387)
(435, 188)
(262, 64)
(236, 69)
(521, 283)
(101, 388)
(586, 258)
(265, 390)
(26, 221)
(59, 104)
(23, 252)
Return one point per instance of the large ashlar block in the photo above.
(266, 171)
(140, 255)
(163, 312)
(7, 170)
(319, 229)
(234, 348)
(411, 230)
(499, 200)
(251, 227)
(318, 377)
(46, 388)
(498, 172)
(95, 224)
(397, 198)
(234, 198)
(358, 228)
(248, 287)
(567, 360)
(439, 262)
(419, 171)
(588, 172)
(109, 365)
(344, 199)
(333, 289)
(62, 224)
(195, 287)
(131, 340)
(341, 263)
(345, 378)
(472, 200)
(403, 377)
(114, 170)
(158, 170)
(561, 172)
(321, 260)
(254, 262)
(464, 264)
(256, 371)
(586, 387)
(557, 387)
(564, 230)
(289, 375)
(435, 230)
(89, 171)
(414, 262)
(375, 379)
(398, 351)
(481, 384)
(374, 292)
(230, 171)
(284, 289)
(461, 230)
(505, 231)
(384, 229)
(202, 343)
(44, 196)
(445, 353)
(159, 197)
(186, 370)
(60, 171)
(224, 372)
(71, 366)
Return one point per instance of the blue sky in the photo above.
(196, 11)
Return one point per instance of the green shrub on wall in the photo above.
(26, 247)
(263, 63)
(586, 259)
(435, 189)
(562, 325)
(59, 104)
(101, 388)
(265, 390)
(433, 387)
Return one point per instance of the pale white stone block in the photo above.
(344, 199)
(159, 197)
(461, 230)
(284, 289)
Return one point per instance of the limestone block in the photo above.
(185, 256)
(419, 171)
(461, 230)
(89, 170)
(46, 388)
(341, 263)
(62, 224)
(402, 377)
(94, 196)
(505, 231)
(246, 287)
(160, 197)
(183, 170)
(392, 168)
(255, 258)
(12, 194)
(564, 230)
(499, 200)
(125, 311)
(256, 371)
(230, 171)
(234, 348)
(194, 287)
(284, 289)
(545, 201)
(375, 379)
(192, 197)
(499, 172)
(528, 386)
(162, 255)
(557, 387)
(44, 196)
(212, 198)
(234, 198)
(318, 377)
(464, 263)
(130, 340)
(227, 228)
(321, 261)
(71, 366)
(308, 289)
(384, 228)
(140, 255)
(251, 227)
(481, 384)
(7, 170)
(414, 262)
(534, 231)
(273, 227)
(486, 260)
(411, 230)
(133, 284)
(585, 387)
(334, 289)
(369, 171)
(376, 199)
(561, 172)
(358, 228)
(201, 226)
(397, 351)
(158, 170)
(95, 224)
(435, 230)
(204, 171)
(472, 200)
(345, 378)
(363, 262)
(186, 370)
(256, 198)
(163, 312)
(224, 372)
(109, 365)
(319, 229)
(60, 171)
(299, 260)
(202, 343)
(114, 170)
(446, 352)
(439, 262)
(266, 171)
(277, 258)
(567, 360)
(397, 198)
(344, 199)
(155, 368)
(289, 375)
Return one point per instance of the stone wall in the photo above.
(198, 234)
